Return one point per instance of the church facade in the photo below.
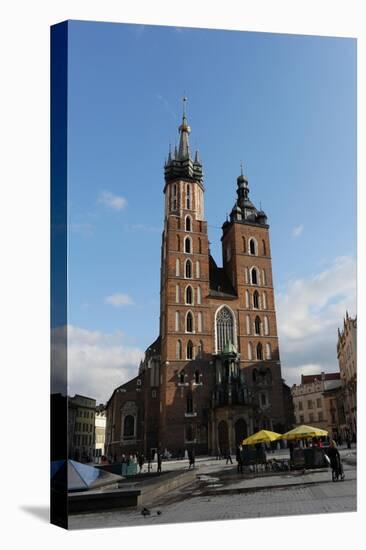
(213, 375)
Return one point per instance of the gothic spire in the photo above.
(184, 130)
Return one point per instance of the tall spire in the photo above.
(184, 129)
(180, 164)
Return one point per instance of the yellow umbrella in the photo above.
(264, 436)
(302, 432)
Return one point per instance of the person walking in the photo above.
(335, 461)
(159, 458)
(239, 459)
(228, 457)
(191, 458)
(141, 461)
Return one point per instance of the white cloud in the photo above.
(96, 362)
(112, 201)
(309, 312)
(297, 231)
(119, 300)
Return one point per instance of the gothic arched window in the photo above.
(188, 223)
(256, 300)
(224, 328)
(189, 350)
(188, 197)
(257, 325)
(259, 351)
(189, 404)
(254, 276)
(188, 245)
(189, 322)
(253, 246)
(129, 426)
(188, 269)
(189, 295)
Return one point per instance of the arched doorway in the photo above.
(223, 436)
(241, 431)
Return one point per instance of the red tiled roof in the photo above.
(308, 378)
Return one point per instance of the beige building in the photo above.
(100, 426)
(81, 423)
(315, 401)
(347, 359)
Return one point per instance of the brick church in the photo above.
(213, 375)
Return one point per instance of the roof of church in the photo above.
(220, 284)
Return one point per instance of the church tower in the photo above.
(185, 385)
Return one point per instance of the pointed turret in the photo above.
(180, 165)
(243, 209)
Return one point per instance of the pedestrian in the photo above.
(335, 461)
(159, 459)
(141, 461)
(239, 459)
(228, 457)
(191, 458)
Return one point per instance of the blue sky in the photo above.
(284, 105)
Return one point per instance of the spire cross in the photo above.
(241, 168)
(184, 104)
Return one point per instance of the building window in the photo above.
(188, 223)
(179, 350)
(188, 197)
(257, 326)
(129, 426)
(259, 351)
(310, 404)
(301, 419)
(189, 295)
(188, 245)
(197, 377)
(300, 405)
(224, 328)
(177, 321)
(311, 417)
(188, 269)
(189, 404)
(254, 276)
(253, 248)
(189, 322)
(256, 300)
(318, 402)
(189, 350)
(177, 267)
(266, 328)
(320, 416)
